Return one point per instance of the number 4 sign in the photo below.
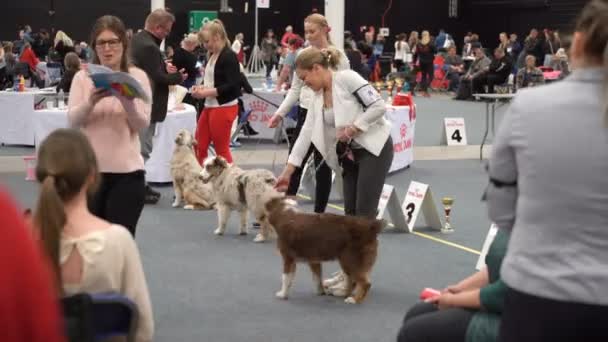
(388, 199)
(455, 131)
(419, 197)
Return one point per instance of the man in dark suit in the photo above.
(496, 74)
(146, 55)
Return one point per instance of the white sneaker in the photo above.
(337, 278)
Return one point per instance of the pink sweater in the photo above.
(112, 125)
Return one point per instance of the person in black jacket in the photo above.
(425, 55)
(184, 58)
(221, 90)
(72, 66)
(498, 72)
(146, 55)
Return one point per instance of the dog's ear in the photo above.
(178, 139)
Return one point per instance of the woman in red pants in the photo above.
(221, 89)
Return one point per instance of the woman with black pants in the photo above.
(316, 30)
(111, 122)
(425, 55)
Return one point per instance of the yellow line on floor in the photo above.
(422, 235)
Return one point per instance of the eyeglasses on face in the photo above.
(111, 43)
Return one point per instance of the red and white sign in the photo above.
(402, 133)
(455, 131)
(262, 109)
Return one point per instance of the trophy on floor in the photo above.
(447, 207)
(390, 85)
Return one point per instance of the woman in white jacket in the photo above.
(346, 124)
(316, 30)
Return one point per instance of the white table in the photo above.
(492, 101)
(158, 169)
(17, 115)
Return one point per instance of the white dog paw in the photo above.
(281, 295)
(175, 204)
(189, 207)
(259, 238)
(350, 300)
(218, 231)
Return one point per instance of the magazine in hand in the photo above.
(118, 82)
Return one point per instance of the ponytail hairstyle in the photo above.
(592, 22)
(66, 162)
(327, 58)
(215, 27)
(320, 21)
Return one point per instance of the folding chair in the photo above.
(54, 73)
(97, 317)
(440, 82)
(241, 122)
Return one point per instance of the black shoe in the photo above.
(151, 196)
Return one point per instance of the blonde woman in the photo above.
(184, 58)
(237, 47)
(221, 89)
(413, 41)
(316, 30)
(425, 56)
(346, 125)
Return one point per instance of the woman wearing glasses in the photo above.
(112, 122)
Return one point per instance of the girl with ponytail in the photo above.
(88, 254)
(548, 185)
(346, 125)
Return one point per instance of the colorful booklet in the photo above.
(119, 82)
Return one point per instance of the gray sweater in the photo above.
(553, 142)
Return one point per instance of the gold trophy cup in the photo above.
(399, 82)
(390, 85)
(447, 207)
(379, 85)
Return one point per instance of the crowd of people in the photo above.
(545, 275)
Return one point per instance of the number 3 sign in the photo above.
(419, 197)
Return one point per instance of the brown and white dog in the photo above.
(240, 190)
(185, 171)
(314, 238)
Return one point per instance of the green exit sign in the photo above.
(199, 18)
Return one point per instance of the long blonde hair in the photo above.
(592, 21)
(320, 21)
(65, 162)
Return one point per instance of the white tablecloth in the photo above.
(17, 117)
(158, 166)
(263, 105)
(402, 132)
